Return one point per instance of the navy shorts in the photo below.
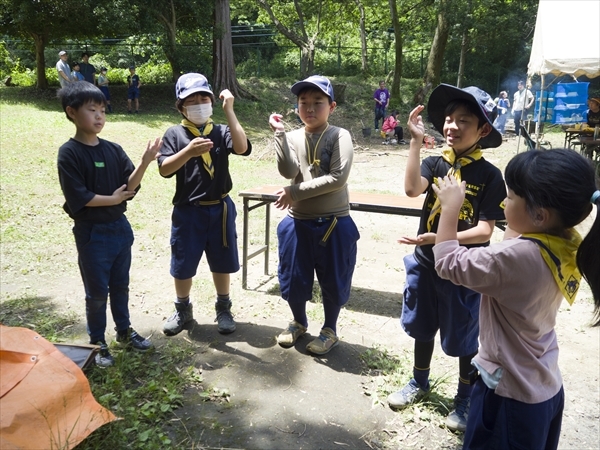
(104, 90)
(199, 229)
(303, 250)
(133, 93)
(498, 423)
(432, 303)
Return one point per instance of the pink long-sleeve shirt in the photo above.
(519, 304)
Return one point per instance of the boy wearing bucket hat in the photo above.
(464, 117)
(197, 153)
(318, 234)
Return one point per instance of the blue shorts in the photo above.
(304, 250)
(199, 229)
(104, 90)
(497, 423)
(431, 304)
(133, 93)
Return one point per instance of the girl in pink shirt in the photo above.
(518, 399)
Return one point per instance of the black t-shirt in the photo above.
(484, 196)
(84, 171)
(593, 118)
(193, 182)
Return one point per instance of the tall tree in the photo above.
(305, 40)
(43, 21)
(438, 46)
(363, 36)
(223, 65)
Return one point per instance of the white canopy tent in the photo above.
(566, 41)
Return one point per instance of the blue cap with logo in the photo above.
(190, 83)
(315, 81)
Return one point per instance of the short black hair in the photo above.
(470, 106)
(85, 54)
(76, 95)
(313, 89)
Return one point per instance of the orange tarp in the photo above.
(45, 399)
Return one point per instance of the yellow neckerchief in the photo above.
(315, 162)
(455, 165)
(206, 129)
(560, 254)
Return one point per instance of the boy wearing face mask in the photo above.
(203, 221)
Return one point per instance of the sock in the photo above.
(184, 300)
(421, 376)
(421, 369)
(299, 312)
(464, 380)
(223, 298)
(464, 388)
(332, 312)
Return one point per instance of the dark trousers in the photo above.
(500, 423)
(379, 114)
(517, 116)
(104, 257)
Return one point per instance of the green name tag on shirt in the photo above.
(99, 163)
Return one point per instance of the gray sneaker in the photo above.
(457, 419)
(225, 322)
(184, 313)
(103, 358)
(408, 395)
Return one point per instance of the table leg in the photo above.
(245, 245)
(267, 236)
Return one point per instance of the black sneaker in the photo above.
(184, 313)
(131, 339)
(225, 322)
(103, 358)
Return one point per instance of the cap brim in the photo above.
(189, 92)
(436, 107)
(300, 85)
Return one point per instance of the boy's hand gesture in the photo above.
(285, 199)
(152, 151)
(275, 122)
(198, 146)
(415, 124)
(227, 98)
(122, 194)
(451, 194)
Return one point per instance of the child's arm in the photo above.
(173, 163)
(149, 155)
(414, 183)
(119, 196)
(451, 195)
(238, 135)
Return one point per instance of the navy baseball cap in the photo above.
(314, 81)
(445, 93)
(190, 83)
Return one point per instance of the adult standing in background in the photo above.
(522, 101)
(382, 100)
(87, 70)
(503, 104)
(63, 69)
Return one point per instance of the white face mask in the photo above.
(198, 114)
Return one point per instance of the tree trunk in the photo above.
(463, 57)
(224, 76)
(40, 41)
(398, 47)
(363, 38)
(307, 59)
(438, 48)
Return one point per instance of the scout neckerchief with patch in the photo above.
(560, 255)
(455, 166)
(203, 131)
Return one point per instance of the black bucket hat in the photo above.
(445, 93)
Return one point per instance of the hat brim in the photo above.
(300, 85)
(189, 92)
(436, 107)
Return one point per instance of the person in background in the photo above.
(63, 69)
(391, 128)
(318, 234)
(593, 114)
(382, 100)
(503, 104)
(76, 74)
(518, 396)
(133, 90)
(103, 85)
(430, 303)
(197, 153)
(87, 70)
(522, 101)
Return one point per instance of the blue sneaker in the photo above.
(408, 395)
(103, 358)
(457, 419)
(131, 339)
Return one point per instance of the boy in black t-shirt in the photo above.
(97, 179)
(197, 153)
(431, 304)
